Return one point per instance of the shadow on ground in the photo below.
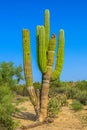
(25, 116)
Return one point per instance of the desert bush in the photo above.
(71, 91)
(76, 105)
(55, 90)
(81, 85)
(62, 88)
(61, 91)
(78, 92)
(53, 107)
(62, 99)
(20, 89)
(55, 103)
(9, 74)
(81, 96)
(6, 108)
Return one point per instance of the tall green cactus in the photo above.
(45, 58)
(45, 52)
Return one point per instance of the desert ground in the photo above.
(66, 119)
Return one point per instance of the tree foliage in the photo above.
(10, 74)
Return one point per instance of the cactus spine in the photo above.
(45, 58)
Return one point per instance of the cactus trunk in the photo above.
(44, 96)
(46, 79)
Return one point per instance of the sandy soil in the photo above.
(66, 120)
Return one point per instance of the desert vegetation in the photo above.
(7, 94)
(72, 95)
(50, 96)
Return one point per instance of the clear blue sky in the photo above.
(71, 15)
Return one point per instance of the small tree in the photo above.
(45, 58)
(9, 74)
(9, 78)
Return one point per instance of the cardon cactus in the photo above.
(45, 58)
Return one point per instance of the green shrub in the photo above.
(6, 108)
(55, 103)
(10, 74)
(20, 89)
(53, 107)
(71, 91)
(62, 99)
(61, 90)
(81, 96)
(81, 85)
(76, 105)
(54, 91)
(77, 93)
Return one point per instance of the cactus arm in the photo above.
(42, 60)
(47, 28)
(60, 56)
(28, 70)
(27, 58)
(37, 43)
